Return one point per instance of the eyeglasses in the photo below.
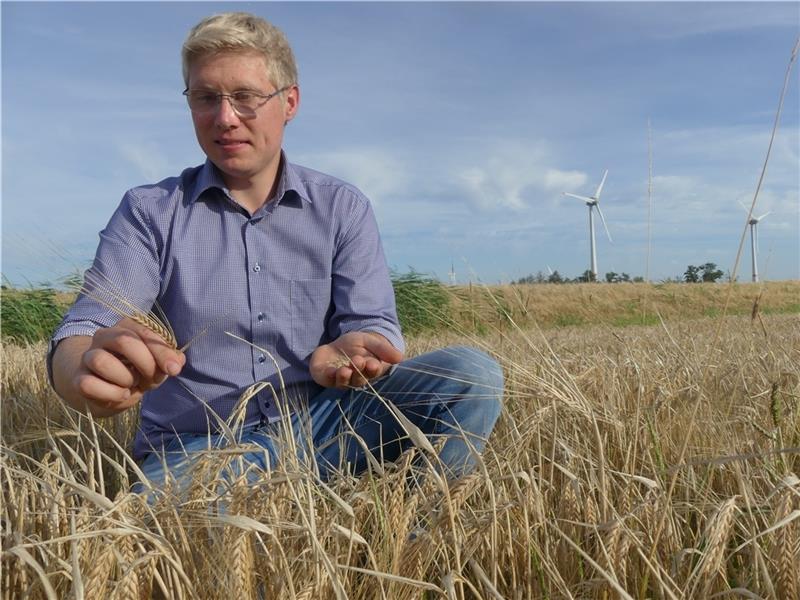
(244, 102)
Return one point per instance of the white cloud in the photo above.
(511, 175)
(147, 158)
(373, 170)
(562, 181)
(671, 21)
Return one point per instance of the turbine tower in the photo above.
(753, 222)
(594, 202)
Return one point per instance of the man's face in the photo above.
(246, 149)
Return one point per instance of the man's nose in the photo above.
(226, 114)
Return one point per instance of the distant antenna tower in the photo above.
(649, 198)
(452, 273)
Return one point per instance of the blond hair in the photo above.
(241, 32)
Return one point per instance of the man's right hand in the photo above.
(109, 372)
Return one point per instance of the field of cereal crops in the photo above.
(649, 447)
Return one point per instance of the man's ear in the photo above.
(291, 103)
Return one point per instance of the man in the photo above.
(276, 274)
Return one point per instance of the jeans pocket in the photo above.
(310, 300)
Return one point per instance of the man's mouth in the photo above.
(231, 144)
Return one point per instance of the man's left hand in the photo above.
(353, 359)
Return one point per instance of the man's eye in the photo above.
(205, 98)
(244, 97)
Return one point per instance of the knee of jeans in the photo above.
(480, 369)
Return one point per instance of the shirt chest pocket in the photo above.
(310, 301)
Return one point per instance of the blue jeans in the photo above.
(452, 395)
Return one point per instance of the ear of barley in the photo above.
(715, 538)
(569, 504)
(157, 326)
(460, 491)
(308, 592)
(146, 574)
(128, 586)
(100, 289)
(590, 509)
(240, 561)
(786, 551)
(98, 570)
(610, 548)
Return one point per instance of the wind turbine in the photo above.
(592, 202)
(753, 222)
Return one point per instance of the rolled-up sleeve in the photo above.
(123, 277)
(362, 293)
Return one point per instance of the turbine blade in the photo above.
(764, 215)
(584, 198)
(603, 219)
(600, 187)
(747, 210)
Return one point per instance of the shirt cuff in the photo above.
(62, 333)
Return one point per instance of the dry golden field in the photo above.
(652, 460)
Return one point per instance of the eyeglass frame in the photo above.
(219, 97)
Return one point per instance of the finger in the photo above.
(129, 347)
(361, 370)
(370, 368)
(373, 368)
(328, 377)
(169, 360)
(110, 368)
(381, 348)
(343, 377)
(357, 380)
(102, 392)
(358, 362)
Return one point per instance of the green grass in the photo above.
(424, 305)
(422, 302)
(629, 320)
(29, 315)
(568, 320)
(792, 309)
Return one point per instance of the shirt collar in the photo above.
(209, 177)
(291, 181)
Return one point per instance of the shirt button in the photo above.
(256, 267)
(260, 316)
(261, 358)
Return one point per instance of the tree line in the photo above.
(705, 273)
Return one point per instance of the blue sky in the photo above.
(463, 122)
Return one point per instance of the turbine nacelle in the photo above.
(755, 220)
(589, 200)
(751, 219)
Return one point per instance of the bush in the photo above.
(29, 315)
(422, 302)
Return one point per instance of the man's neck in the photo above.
(253, 193)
